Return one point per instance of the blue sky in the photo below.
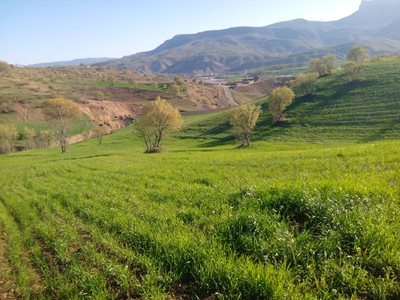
(33, 31)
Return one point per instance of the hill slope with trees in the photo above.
(336, 110)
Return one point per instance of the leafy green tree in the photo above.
(279, 100)
(29, 136)
(353, 71)
(244, 119)
(323, 66)
(45, 138)
(157, 119)
(358, 55)
(329, 61)
(8, 136)
(62, 111)
(304, 84)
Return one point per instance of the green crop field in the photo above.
(309, 211)
(146, 87)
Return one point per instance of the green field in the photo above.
(145, 87)
(309, 211)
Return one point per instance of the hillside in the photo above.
(275, 221)
(337, 112)
(294, 42)
(294, 216)
(108, 96)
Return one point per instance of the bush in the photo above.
(8, 136)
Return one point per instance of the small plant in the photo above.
(8, 136)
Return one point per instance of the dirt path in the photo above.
(6, 291)
(228, 94)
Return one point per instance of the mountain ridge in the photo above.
(71, 63)
(243, 49)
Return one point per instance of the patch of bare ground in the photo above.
(259, 89)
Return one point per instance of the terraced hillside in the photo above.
(338, 111)
(362, 111)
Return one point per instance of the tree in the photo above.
(100, 132)
(112, 78)
(353, 71)
(244, 119)
(304, 84)
(279, 100)
(29, 136)
(5, 67)
(358, 55)
(174, 89)
(329, 61)
(8, 136)
(45, 138)
(323, 66)
(157, 119)
(62, 112)
(98, 95)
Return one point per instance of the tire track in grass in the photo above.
(7, 291)
(14, 258)
(91, 253)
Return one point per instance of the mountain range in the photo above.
(71, 63)
(376, 26)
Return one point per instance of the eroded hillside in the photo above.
(107, 96)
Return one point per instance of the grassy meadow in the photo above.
(278, 220)
(309, 211)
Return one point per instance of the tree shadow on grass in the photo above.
(230, 139)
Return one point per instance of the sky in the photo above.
(34, 31)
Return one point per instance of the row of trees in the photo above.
(9, 136)
(160, 117)
(60, 112)
(244, 118)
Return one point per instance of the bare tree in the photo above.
(29, 136)
(62, 111)
(45, 138)
(100, 132)
(8, 136)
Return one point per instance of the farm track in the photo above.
(7, 291)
